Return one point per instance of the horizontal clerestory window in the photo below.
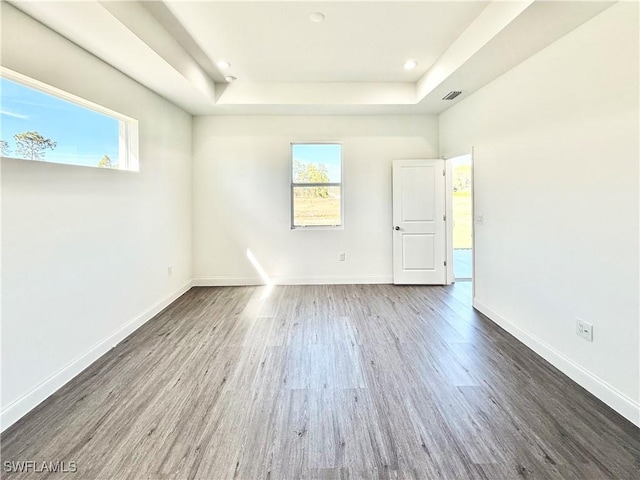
(42, 123)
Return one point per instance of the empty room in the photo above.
(320, 240)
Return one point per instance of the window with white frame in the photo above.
(42, 123)
(316, 185)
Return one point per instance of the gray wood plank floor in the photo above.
(324, 382)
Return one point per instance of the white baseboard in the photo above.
(292, 280)
(16, 410)
(226, 281)
(617, 400)
(332, 280)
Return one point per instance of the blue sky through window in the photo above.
(84, 136)
(329, 154)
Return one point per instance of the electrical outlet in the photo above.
(479, 219)
(343, 256)
(584, 329)
(170, 270)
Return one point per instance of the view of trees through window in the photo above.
(316, 187)
(463, 221)
(39, 126)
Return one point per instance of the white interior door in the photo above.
(419, 233)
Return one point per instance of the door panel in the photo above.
(417, 252)
(417, 201)
(419, 235)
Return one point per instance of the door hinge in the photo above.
(444, 217)
(445, 263)
(443, 173)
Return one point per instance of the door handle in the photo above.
(397, 228)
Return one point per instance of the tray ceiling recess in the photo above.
(307, 57)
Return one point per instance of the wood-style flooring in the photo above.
(324, 382)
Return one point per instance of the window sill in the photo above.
(316, 228)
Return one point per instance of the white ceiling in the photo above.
(357, 42)
(352, 63)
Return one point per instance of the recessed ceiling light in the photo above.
(230, 78)
(316, 17)
(224, 64)
(410, 64)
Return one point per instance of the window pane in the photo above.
(39, 126)
(316, 206)
(316, 163)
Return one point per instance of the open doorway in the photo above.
(462, 209)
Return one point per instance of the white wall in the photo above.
(556, 178)
(85, 250)
(242, 196)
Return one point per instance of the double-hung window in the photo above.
(316, 185)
